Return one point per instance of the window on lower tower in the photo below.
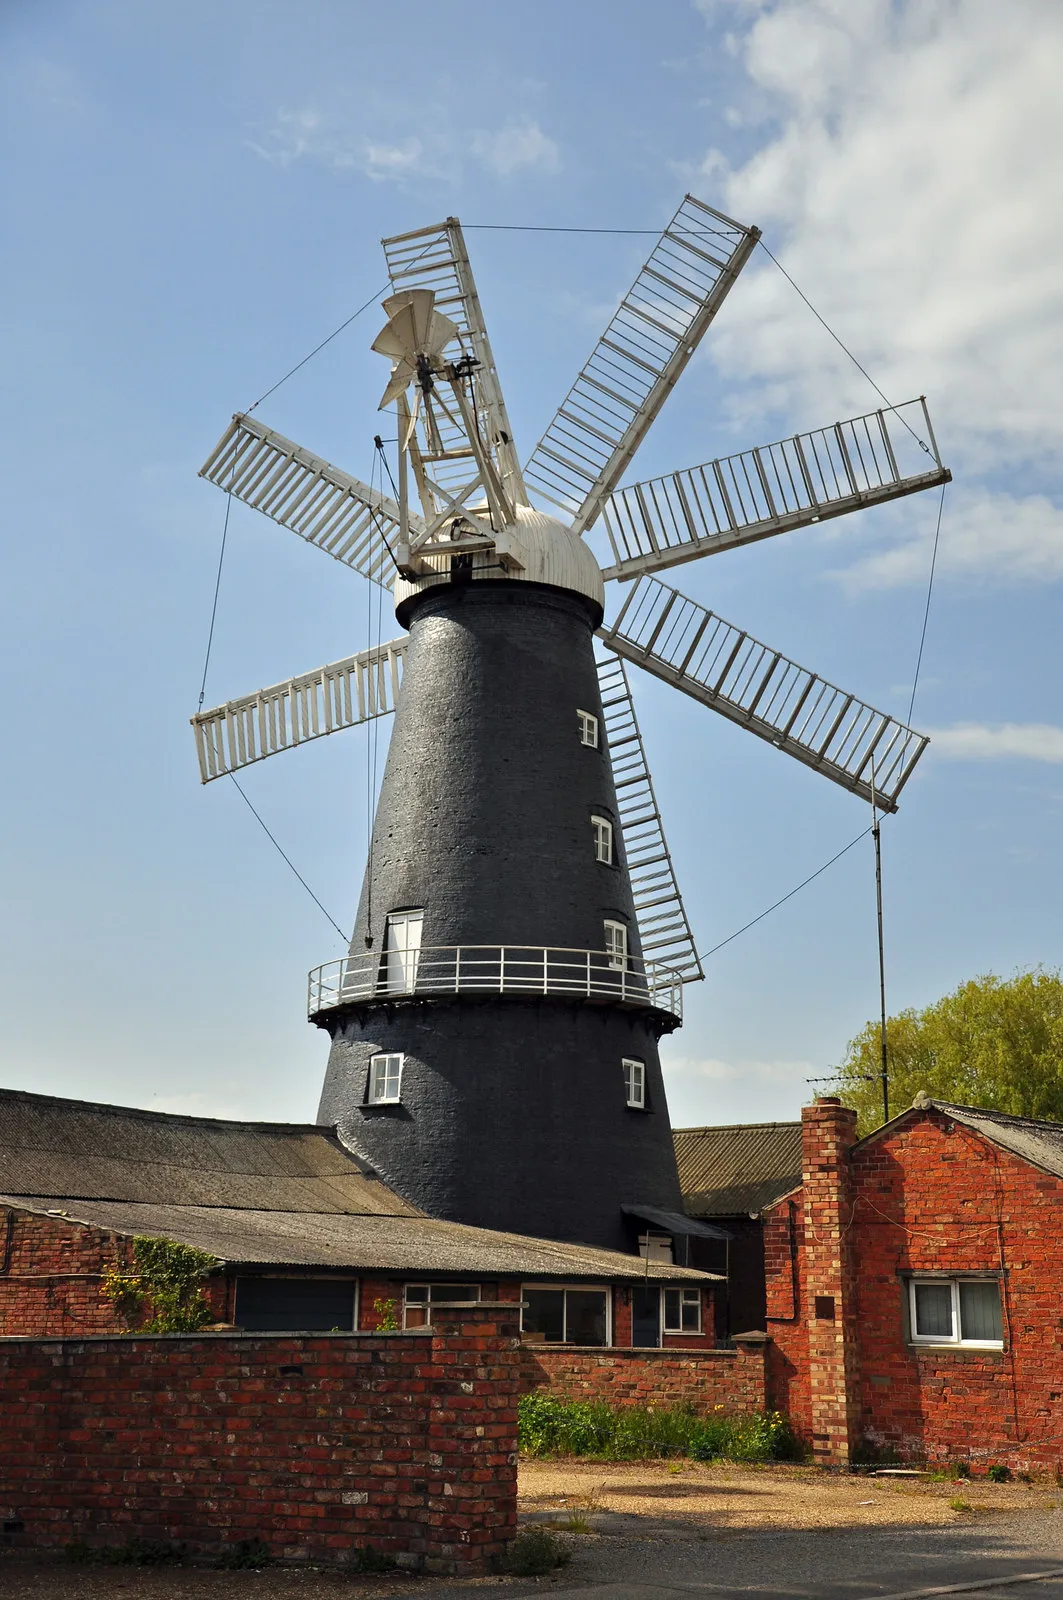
(588, 728)
(385, 1079)
(616, 943)
(603, 840)
(635, 1084)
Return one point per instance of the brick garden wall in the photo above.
(315, 1444)
(702, 1379)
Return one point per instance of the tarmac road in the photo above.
(998, 1557)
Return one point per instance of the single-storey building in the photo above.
(730, 1176)
(306, 1235)
(913, 1288)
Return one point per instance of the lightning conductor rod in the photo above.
(876, 835)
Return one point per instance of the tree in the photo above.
(993, 1042)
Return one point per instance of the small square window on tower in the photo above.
(635, 1084)
(588, 728)
(385, 1079)
(616, 943)
(603, 840)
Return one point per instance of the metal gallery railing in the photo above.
(495, 969)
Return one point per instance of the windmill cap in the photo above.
(550, 552)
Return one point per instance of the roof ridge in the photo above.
(733, 1127)
(997, 1116)
(28, 1095)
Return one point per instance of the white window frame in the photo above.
(588, 1288)
(385, 1081)
(635, 1083)
(616, 944)
(603, 839)
(402, 950)
(427, 1301)
(687, 1297)
(588, 729)
(956, 1337)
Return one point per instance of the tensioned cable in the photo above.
(287, 858)
(926, 613)
(704, 956)
(318, 347)
(217, 591)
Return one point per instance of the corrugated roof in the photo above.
(255, 1193)
(1038, 1142)
(54, 1146)
(740, 1168)
(403, 1244)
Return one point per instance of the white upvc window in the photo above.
(682, 1311)
(402, 950)
(576, 1314)
(588, 728)
(616, 943)
(635, 1084)
(956, 1311)
(385, 1079)
(603, 840)
(419, 1298)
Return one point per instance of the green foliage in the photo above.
(387, 1316)
(165, 1283)
(993, 1042)
(999, 1474)
(134, 1553)
(960, 1505)
(960, 1469)
(245, 1554)
(551, 1427)
(535, 1552)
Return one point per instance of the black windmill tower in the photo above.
(521, 945)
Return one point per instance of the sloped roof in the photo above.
(401, 1243)
(81, 1150)
(1038, 1142)
(256, 1193)
(739, 1168)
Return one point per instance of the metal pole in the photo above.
(876, 835)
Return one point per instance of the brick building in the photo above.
(307, 1237)
(913, 1299)
(730, 1176)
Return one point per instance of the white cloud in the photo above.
(985, 535)
(981, 741)
(907, 182)
(435, 152)
(518, 144)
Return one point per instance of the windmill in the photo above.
(521, 944)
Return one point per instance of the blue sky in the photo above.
(194, 198)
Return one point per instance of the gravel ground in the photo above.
(687, 1499)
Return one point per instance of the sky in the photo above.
(194, 197)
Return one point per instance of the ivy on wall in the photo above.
(163, 1293)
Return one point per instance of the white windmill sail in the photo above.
(664, 932)
(436, 258)
(777, 487)
(321, 503)
(691, 648)
(340, 695)
(584, 452)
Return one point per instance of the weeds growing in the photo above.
(551, 1427)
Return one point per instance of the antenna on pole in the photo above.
(876, 835)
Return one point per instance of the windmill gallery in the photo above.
(493, 1132)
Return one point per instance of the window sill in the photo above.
(954, 1348)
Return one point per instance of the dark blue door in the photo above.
(646, 1318)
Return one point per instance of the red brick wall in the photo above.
(314, 1444)
(934, 1196)
(784, 1238)
(702, 1379)
(51, 1277)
